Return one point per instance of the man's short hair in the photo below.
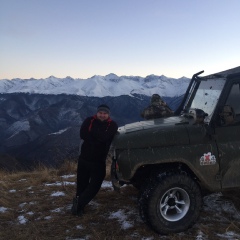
(103, 108)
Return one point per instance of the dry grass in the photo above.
(25, 195)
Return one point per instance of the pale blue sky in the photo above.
(77, 38)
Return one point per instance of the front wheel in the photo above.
(173, 204)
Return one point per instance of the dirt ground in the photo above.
(36, 205)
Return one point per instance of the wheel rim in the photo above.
(174, 204)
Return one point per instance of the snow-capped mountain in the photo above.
(98, 86)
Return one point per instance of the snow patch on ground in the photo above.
(57, 194)
(229, 235)
(57, 210)
(3, 209)
(214, 203)
(68, 176)
(22, 180)
(122, 219)
(201, 236)
(106, 184)
(64, 183)
(22, 204)
(12, 191)
(80, 227)
(22, 220)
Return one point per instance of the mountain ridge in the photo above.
(98, 86)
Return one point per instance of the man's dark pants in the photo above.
(90, 176)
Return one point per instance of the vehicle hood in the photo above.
(152, 133)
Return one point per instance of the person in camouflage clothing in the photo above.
(157, 109)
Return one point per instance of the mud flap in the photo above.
(115, 182)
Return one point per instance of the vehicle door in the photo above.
(203, 146)
(204, 151)
(228, 138)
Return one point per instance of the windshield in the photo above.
(207, 95)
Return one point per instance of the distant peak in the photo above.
(151, 75)
(51, 76)
(111, 76)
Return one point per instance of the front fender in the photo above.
(188, 155)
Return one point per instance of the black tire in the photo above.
(143, 200)
(171, 204)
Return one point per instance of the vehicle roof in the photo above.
(225, 73)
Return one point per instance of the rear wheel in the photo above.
(171, 204)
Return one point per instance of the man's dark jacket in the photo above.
(97, 136)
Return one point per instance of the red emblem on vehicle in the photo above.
(207, 159)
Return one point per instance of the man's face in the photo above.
(102, 116)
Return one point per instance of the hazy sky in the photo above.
(82, 38)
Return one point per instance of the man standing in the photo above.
(97, 133)
(157, 109)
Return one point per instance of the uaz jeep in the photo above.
(174, 161)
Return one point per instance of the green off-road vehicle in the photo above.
(174, 161)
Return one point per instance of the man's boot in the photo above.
(74, 208)
(80, 212)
